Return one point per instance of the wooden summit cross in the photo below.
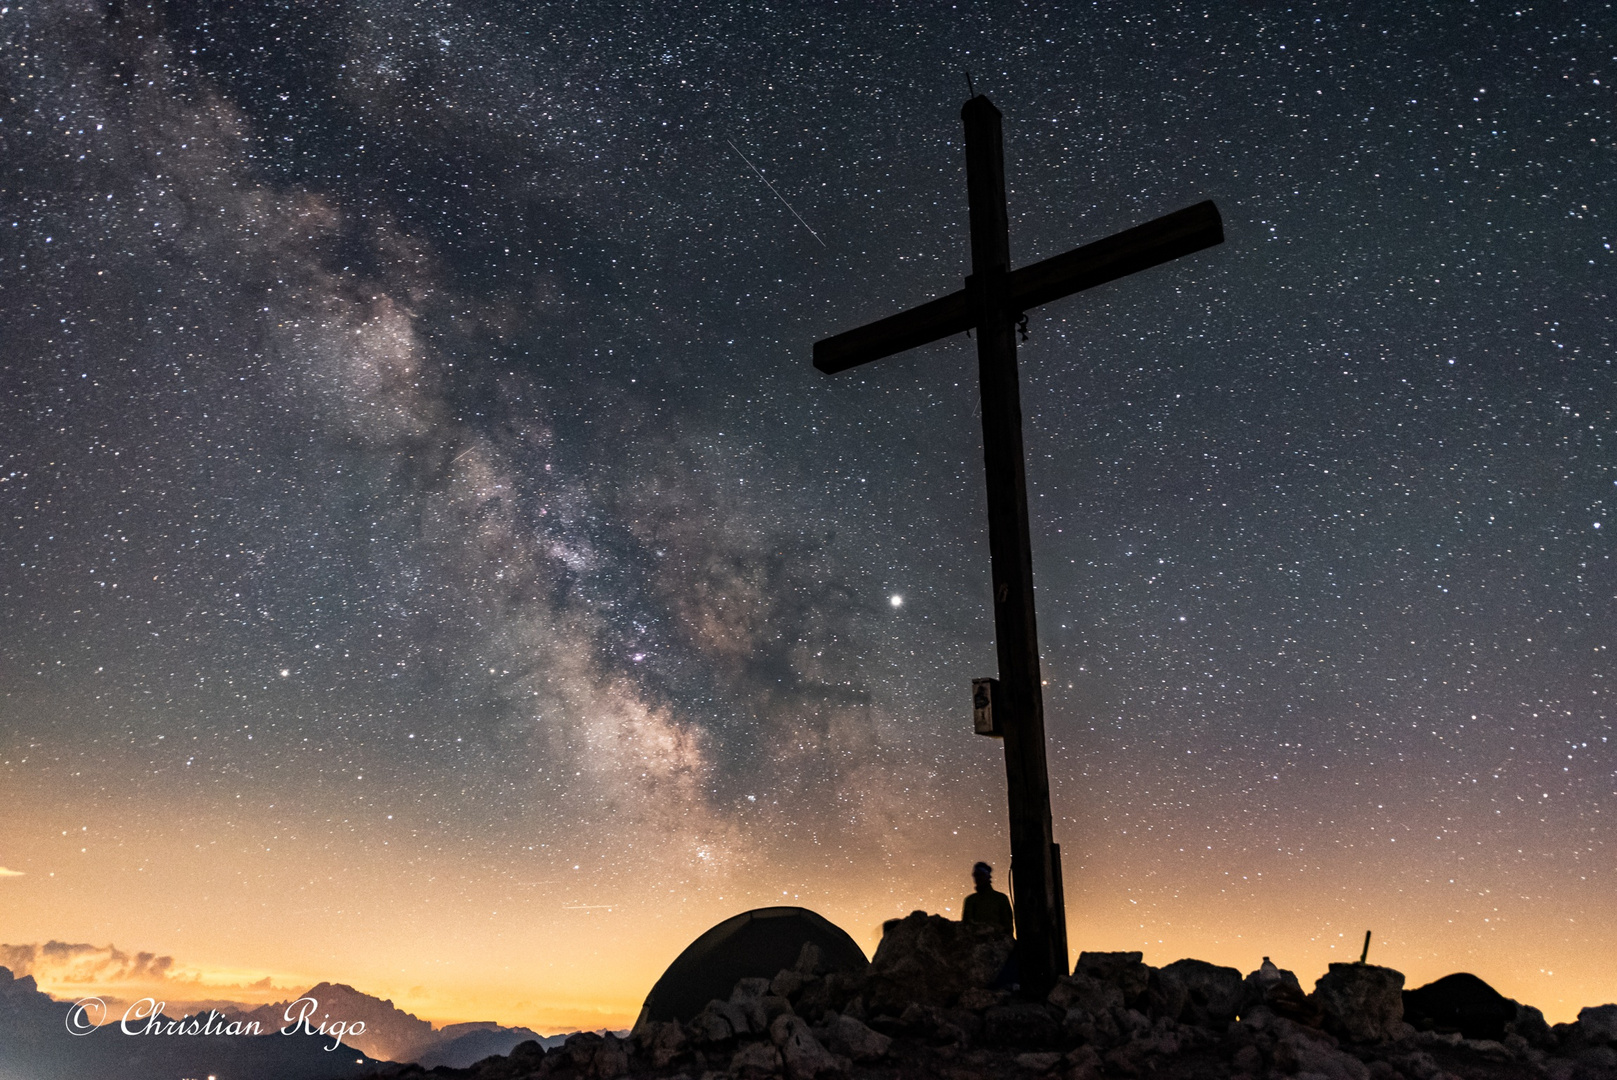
(993, 302)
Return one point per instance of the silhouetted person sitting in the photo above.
(988, 905)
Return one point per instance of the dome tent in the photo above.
(753, 944)
(1460, 1002)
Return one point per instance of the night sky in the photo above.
(429, 561)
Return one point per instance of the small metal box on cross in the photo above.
(983, 720)
(994, 298)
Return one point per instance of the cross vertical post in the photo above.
(1041, 920)
(995, 297)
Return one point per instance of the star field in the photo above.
(429, 561)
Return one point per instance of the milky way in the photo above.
(428, 554)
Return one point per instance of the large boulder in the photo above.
(930, 959)
(1362, 1002)
(1299, 1051)
(1098, 1028)
(755, 1061)
(1530, 1025)
(1598, 1023)
(1214, 992)
(1278, 990)
(832, 991)
(663, 1041)
(611, 1059)
(1085, 992)
(1022, 1025)
(1263, 981)
(592, 1056)
(803, 1054)
(720, 1022)
(1123, 970)
(846, 1036)
(1166, 998)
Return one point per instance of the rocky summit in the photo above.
(928, 1006)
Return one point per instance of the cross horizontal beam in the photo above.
(1167, 238)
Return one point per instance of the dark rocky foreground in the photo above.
(925, 1007)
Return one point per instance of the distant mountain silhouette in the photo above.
(35, 1043)
(470, 1047)
(391, 1034)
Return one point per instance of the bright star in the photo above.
(896, 600)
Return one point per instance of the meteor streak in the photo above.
(778, 195)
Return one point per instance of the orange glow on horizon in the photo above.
(568, 940)
(554, 967)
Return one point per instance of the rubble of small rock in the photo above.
(927, 1007)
